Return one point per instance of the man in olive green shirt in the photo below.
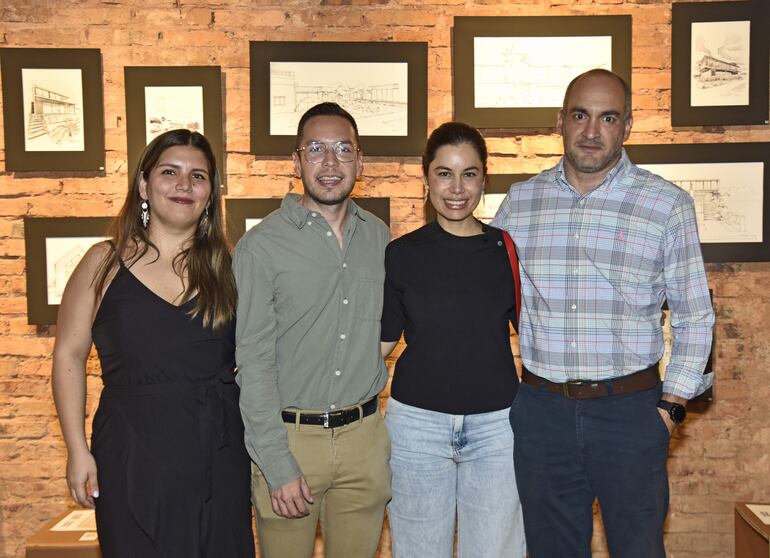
(310, 286)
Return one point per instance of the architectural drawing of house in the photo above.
(710, 207)
(52, 114)
(377, 100)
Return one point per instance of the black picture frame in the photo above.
(683, 16)
(698, 154)
(208, 78)
(36, 231)
(468, 28)
(496, 184)
(414, 54)
(237, 210)
(54, 117)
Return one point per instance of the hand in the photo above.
(670, 424)
(81, 478)
(289, 500)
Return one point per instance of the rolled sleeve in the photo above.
(255, 354)
(692, 315)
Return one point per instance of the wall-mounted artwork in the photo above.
(53, 109)
(244, 213)
(163, 98)
(729, 186)
(512, 72)
(53, 248)
(719, 63)
(495, 190)
(383, 85)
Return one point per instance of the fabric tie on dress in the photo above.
(144, 480)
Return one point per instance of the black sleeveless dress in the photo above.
(173, 471)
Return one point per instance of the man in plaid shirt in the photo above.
(602, 243)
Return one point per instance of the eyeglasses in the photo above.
(315, 151)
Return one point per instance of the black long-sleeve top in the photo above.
(453, 297)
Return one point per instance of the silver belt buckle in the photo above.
(326, 419)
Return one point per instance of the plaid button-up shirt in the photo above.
(596, 269)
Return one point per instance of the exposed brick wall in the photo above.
(720, 456)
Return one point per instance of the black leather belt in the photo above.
(591, 389)
(332, 419)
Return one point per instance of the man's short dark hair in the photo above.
(325, 109)
(601, 72)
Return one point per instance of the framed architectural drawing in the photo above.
(54, 247)
(53, 109)
(162, 98)
(729, 184)
(243, 213)
(719, 63)
(494, 193)
(512, 72)
(384, 85)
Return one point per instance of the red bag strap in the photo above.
(513, 258)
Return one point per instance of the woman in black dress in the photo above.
(168, 471)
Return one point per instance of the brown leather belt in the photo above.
(591, 389)
(332, 419)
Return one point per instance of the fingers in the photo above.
(306, 494)
(289, 500)
(80, 495)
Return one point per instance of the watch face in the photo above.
(678, 413)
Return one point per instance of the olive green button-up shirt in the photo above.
(308, 323)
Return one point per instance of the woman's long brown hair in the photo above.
(206, 261)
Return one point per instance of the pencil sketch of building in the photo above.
(171, 108)
(727, 197)
(710, 205)
(53, 103)
(533, 71)
(375, 93)
(62, 255)
(720, 63)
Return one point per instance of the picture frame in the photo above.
(719, 63)
(53, 247)
(504, 72)
(53, 109)
(384, 85)
(244, 213)
(727, 182)
(161, 98)
(495, 190)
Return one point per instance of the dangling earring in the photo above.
(144, 214)
(204, 222)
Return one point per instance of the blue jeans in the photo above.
(448, 467)
(570, 452)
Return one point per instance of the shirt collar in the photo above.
(299, 214)
(613, 177)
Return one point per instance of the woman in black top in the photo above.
(167, 469)
(450, 290)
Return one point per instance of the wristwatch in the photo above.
(676, 411)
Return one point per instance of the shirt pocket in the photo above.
(368, 295)
(628, 253)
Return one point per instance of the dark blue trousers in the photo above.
(569, 452)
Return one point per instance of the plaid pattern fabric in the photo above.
(596, 269)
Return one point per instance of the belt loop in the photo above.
(296, 420)
(360, 413)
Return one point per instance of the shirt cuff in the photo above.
(280, 472)
(685, 387)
